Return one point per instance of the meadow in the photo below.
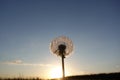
(102, 76)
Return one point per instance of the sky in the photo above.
(28, 26)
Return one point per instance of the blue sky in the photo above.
(28, 26)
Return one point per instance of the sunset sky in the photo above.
(28, 26)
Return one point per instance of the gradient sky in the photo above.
(28, 26)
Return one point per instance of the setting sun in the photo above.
(56, 72)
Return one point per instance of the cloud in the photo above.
(20, 62)
(33, 64)
(14, 62)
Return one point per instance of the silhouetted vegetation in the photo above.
(103, 76)
(109, 76)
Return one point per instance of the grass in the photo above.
(103, 76)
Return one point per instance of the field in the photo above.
(103, 76)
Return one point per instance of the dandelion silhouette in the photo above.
(61, 46)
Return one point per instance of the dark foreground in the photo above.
(109, 76)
